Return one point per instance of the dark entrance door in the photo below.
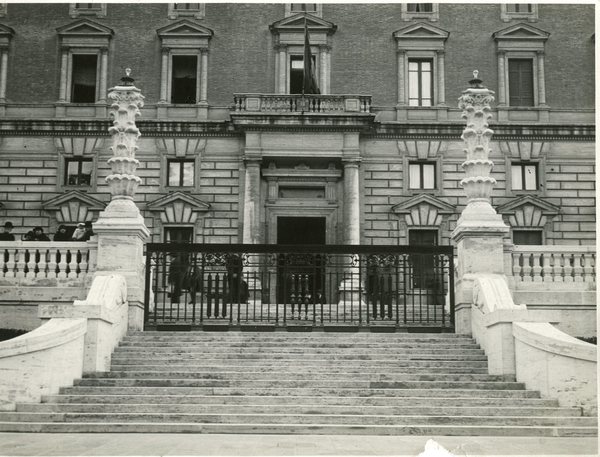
(300, 275)
(423, 265)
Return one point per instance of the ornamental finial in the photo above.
(476, 82)
(475, 73)
(127, 80)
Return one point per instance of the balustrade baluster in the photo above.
(72, 263)
(306, 295)
(527, 267)
(517, 260)
(64, 254)
(567, 267)
(537, 265)
(577, 268)
(20, 264)
(52, 263)
(33, 257)
(293, 294)
(42, 264)
(84, 264)
(588, 270)
(9, 263)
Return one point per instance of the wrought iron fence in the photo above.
(402, 286)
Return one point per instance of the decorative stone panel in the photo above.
(424, 211)
(524, 150)
(74, 207)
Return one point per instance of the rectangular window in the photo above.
(186, 6)
(520, 82)
(78, 172)
(83, 78)
(179, 234)
(303, 7)
(518, 8)
(419, 7)
(88, 6)
(183, 79)
(181, 172)
(524, 176)
(420, 82)
(530, 237)
(421, 175)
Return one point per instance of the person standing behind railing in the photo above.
(79, 233)
(38, 235)
(62, 234)
(6, 235)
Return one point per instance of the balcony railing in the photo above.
(46, 259)
(295, 103)
(554, 263)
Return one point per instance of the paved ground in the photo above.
(19, 444)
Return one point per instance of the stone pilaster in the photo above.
(480, 230)
(120, 227)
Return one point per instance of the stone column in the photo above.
(103, 75)
(401, 92)
(501, 80)
(164, 75)
(282, 70)
(204, 76)
(3, 75)
(351, 202)
(251, 230)
(323, 70)
(441, 85)
(62, 94)
(480, 231)
(541, 79)
(120, 227)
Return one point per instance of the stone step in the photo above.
(427, 344)
(449, 400)
(334, 376)
(296, 384)
(288, 336)
(301, 365)
(307, 370)
(338, 419)
(423, 409)
(283, 357)
(298, 351)
(298, 391)
(297, 429)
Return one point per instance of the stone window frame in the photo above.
(77, 43)
(540, 230)
(289, 12)
(288, 37)
(411, 44)
(199, 13)
(521, 41)
(530, 16)
(436, 161)
(541, 177)
(63, 157)
(169, 160)
(176, 43)
(433, 15)
(75, 12)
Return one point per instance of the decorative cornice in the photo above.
(511, 206)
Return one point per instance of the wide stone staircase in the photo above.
(299, 383)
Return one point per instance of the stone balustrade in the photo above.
(47, 259)
(554, 264)
(296, 103)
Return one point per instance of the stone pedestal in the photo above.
(121, 235)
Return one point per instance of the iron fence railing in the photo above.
(299, 285)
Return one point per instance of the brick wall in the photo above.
(363, 57)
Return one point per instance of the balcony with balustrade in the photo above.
(302, 110)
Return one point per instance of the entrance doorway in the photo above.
(423, 265)
(300, 277)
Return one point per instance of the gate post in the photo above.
(120, 227)
(480, 231)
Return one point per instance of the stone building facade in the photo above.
(230, 154)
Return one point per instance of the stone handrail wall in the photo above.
(47, 259)
(41, 361)
(296, 103)
(556, 264)
(556, 364)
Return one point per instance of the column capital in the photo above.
(440, 52)
(324, 47)
(400, 52)
(165, 51)
(280, 47)
(351, 161)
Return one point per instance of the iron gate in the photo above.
(310, 285)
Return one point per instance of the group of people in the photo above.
(82, 232)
